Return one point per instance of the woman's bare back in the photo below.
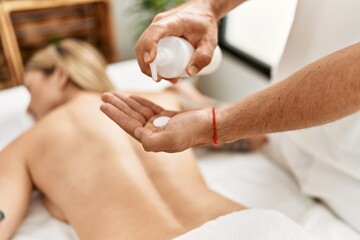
(105, 185)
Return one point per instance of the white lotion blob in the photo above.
(161, 121)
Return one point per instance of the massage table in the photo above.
(251, 179)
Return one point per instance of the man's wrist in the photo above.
(211, 8)
(219, 8)
(216, 9)
(226, 128)
(207, 128)
(219, 126)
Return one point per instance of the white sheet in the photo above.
(250, 179)
(257, 182)
(251, 224)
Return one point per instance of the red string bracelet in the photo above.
(214, 126)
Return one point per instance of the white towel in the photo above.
(252, 224)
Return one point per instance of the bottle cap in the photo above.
(154, 71)
(164, 57)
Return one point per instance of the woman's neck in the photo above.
(71, 93)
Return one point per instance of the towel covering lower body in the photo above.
(252, 224)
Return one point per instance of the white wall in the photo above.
(123, 33)
(232, 81)
(260, 28)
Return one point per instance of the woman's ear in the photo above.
(61, 77)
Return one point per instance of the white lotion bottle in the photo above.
(173, 56)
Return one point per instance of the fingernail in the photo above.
(193, 70)
(147, 57)
(174, 81)
(2, 216)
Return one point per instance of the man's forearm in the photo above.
(221, 7)
(321, 92)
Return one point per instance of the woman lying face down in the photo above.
(90, 173)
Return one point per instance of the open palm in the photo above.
(136, 116)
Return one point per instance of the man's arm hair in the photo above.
(319, 93)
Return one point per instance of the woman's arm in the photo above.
(15, 189)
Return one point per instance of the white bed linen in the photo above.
(250, 179)
(251, 224)
(257, 182)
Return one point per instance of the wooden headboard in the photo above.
(29, 25)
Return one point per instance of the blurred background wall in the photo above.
(123, 32)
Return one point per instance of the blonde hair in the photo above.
(85, 66)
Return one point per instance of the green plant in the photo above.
(144, 11)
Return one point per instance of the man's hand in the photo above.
(193, 21)
(136, 115)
